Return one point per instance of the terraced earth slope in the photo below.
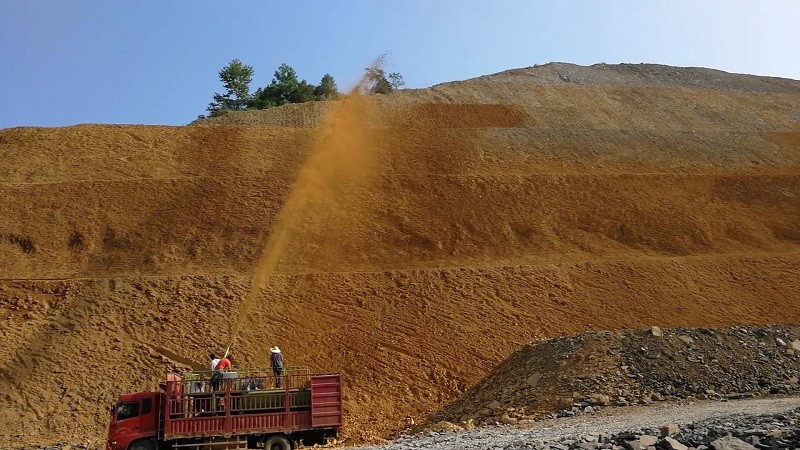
(495, 211)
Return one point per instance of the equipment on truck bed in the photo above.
(243, 410)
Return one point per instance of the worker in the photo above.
(214, 380)
(224, 363)
(276, 360)
(218, 365)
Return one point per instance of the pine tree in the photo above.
(235, 78)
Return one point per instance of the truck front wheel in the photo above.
(143, 444)
(277, 442)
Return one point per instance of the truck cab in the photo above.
(134, 422)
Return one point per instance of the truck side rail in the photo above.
(210, 381)
(246, 404)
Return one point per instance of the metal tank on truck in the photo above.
(245, 409)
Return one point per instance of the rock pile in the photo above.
(705, 363)
(781, 431)
(573, 375)
(769, 423)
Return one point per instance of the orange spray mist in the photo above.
(340, 153)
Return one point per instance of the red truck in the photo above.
(239, 411)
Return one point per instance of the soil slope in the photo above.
(512, 207)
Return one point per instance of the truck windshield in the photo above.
(127, 410)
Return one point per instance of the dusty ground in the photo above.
(498, 210)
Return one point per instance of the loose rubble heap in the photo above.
(742, 424)
(706, 363)
(781, 431)
(579, 374)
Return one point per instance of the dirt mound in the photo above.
(572, 375)
(499, 213)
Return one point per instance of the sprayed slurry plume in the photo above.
(340, 154)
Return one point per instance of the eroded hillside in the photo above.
(528, 204)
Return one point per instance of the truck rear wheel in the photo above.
(277, 442)
(142, 445)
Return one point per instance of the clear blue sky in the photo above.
(156, 61)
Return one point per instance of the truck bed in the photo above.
(304, 402)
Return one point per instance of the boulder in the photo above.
(686, 339)
(599, 400)
(672, 444)
(777, 434)
(592, 437)
(731, 443)
(642, 443)
(533, 380)
(670, 429)
(656, 331)
(795, 344)
(587, 446)
(445, 427)
(505, 419)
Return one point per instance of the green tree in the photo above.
(327, 89)
(378, 82)
(284, 85)
(303, 93)
(261, 100)
(284, 88)
(235, 78)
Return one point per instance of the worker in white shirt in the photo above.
(214, 379)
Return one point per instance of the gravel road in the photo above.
(606, 421)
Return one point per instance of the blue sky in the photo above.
(156, 61)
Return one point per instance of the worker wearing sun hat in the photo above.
(276, 360)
